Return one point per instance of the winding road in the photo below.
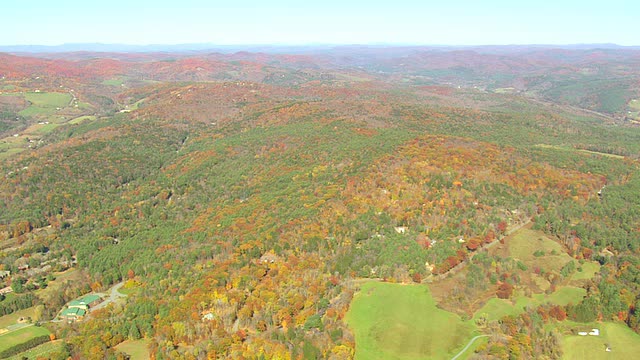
(469, 344)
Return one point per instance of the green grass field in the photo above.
(13, 318)
(634, 104)
(394, 321)
(526, 242)
(589, 269)
(497, 308)
(48, 99)
(138, 349)
(117, 81)
(624, 343)
(556, 147)
(81, 119)
(45, 103)
(12, 338)
(39, 351)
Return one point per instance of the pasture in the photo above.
(396, 321)
(45, 103)
(12, 338)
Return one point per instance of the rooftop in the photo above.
(73, 312)
(87, 299)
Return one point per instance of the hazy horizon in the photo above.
(287, 23)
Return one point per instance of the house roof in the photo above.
(73, 312)
(87, 299)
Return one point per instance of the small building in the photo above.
(594, 332)
(73, 314)
(208, 316)
(400, 229)
(582, 333)
(4, 274)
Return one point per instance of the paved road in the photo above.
(114, 295)
(469, 344)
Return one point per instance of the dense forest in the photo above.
(242, 198)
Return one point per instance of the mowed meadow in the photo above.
(399, 321)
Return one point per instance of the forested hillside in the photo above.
(244, 198)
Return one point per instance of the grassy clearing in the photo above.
(113, 82)
(555, 147)
(9, 152)
(565, 295)
(48, 99)
(13, 318)
(526, 242)
(81, 119)
(43, 129)
(138, 349)
(394, 321)
(497, 308)
(45, 103)
(624, 343)
(507, 90)
(589, 269)
(12, 338)
(40, 351)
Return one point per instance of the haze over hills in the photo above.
(264, 202)
(282, 49)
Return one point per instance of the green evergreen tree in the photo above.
(134, 332)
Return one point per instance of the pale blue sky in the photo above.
(452, 22)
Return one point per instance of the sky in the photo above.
(287, 22)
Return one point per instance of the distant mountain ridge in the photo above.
(289, 49)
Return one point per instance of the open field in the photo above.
(394, 321)
(117, 81)
(11, 319)
(12, 338)
(138, 349)
(48, 99)
(497, 308)
(555, 147)
(624, 343)
(589, 269)
(39, 351)
(526, 242)
(45, 103)
(81, 119)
